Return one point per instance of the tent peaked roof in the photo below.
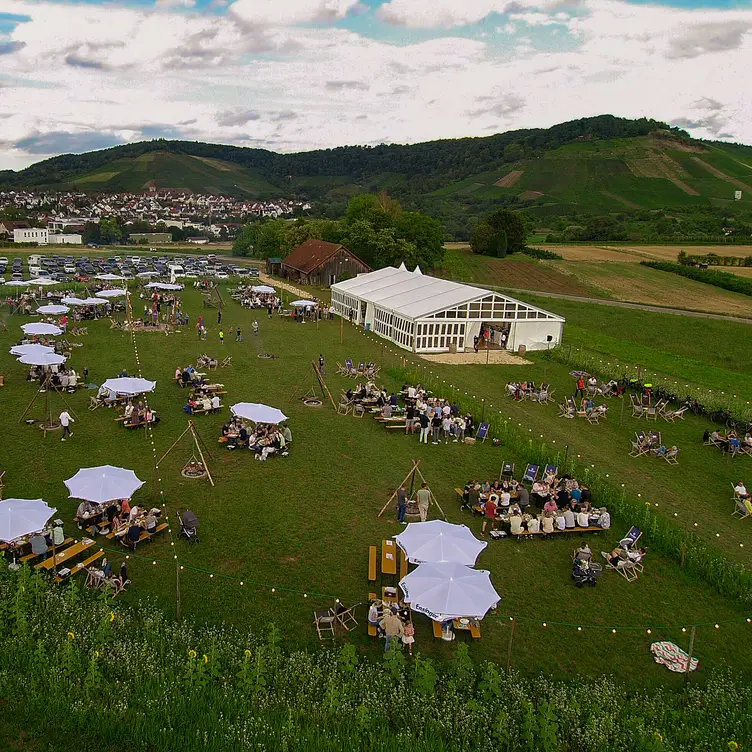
(417, 270)
(416, 295)
(312, 254)
(402, 267)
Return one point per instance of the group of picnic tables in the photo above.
(386, 566)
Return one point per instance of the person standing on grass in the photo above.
(475, 343)
(238, 335)
(270, 310)
(580, 390)
(393, 629)
(221, 337)
(424, 499)
(489, 513)
(401, 504)
(255, 328)
(409, 418)
(408, 635)
(219, 317)
(65, 421)
(321, 364)
(424, 428)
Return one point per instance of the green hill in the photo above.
(593, 166)
(174, 170)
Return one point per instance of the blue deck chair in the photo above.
(531, 474)
(551, 470)
(507, 469)
(631, 538)
(482, 432)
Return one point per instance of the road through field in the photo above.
(637, 306)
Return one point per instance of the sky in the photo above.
(293, 75)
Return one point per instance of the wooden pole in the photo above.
(511, 641)
(174, 444)
(200, 453)
(433, 498)
(412, 472)
(691, 650)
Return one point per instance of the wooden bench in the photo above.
(475, 631)
(143, 537)
(372, 564)
(566, 531)
(438, 632)
(402, 565)
(389, 598)
(201, 411)
(30, 557)
(82, 565)
(400, 426)
(461, 494)
(372, 631)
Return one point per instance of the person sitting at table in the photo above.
(550, 506)
(128, 412)
(568, 514)
(505, 499)
(533, 525)
(125, 507)
(58, 536)
(515, 521)
(547, 522)
(386, 410)
(585, 506)
(83, 510)
(375, 612)
(539, 493)
(134, 513)
(151, 522)
(133, 535)
(604, 518)
(485, 487)
(489, 513)
(576, 495)
(560, 522)
(190, 406)
(117, 526)
(39, 545)
(583, 519)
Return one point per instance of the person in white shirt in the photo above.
(58, 536)
(583, 519)
(561, 523)
(506, 498)
(215, 403)
(515, 522)
(446, 424)
(604, 520)
(72, 378)
(65, 421)
(533, 525)
(411, 392)
(741, 490)
(568, 516)
(547, 523)
(446, 411)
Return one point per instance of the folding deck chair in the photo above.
(637, 408)
(507, 470)
(671, 456)
(742, 508)
(324, 622)
(631, 538)
(551, 470)
(565, 411)
(482, 432)
(531, 474)
(672, 415)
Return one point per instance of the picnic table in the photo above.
(388, 557)
(67, 554)
(468, 625)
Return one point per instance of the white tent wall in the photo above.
(532, 334)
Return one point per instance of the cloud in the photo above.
(507, 104)
(285, 115)
(60, 142)
(229, 118)
(76, 61)
(709, 37)
(175, 3)
(290, 12)
(8, 48)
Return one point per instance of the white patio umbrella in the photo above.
(109, 277)
(446, 591)
(44, 281)
(439, 541)
(262, 288)
(42, 359)
(103, 483)
(111, 293)
(33, 348)
(147, 275)
(18, 283)
(163, 286)
(94, 301)
(73, 301)
(53, 309)
(129, 385)
(302, 303)
(38, 328)
(23, 516)
(257, 413)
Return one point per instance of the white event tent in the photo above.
(426, 314)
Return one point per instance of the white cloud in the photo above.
(290, 12)
(76, 72)
(175, 3)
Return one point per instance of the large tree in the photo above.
(512, 224)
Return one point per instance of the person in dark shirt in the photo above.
(401, 504)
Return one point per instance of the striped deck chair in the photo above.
(482, 432)
(631, 538)
(637, 409)
(531, 474)
(551, 470)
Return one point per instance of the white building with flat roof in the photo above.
(31, 235)
(425, 314)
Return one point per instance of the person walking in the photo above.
(393, 629)
(270, 310)
(475, 343)
(219, 317)
(424, 428)
(65, 421)
(255, 328)
(401, 505)
(221, 337)
(424, 499)
(238, 335)
(321, 364)
(580, 390)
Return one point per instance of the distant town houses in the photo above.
(206, 216)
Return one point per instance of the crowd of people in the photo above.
(40, 544)
(393, 622)
(730, 441)
(551, 504)
(264, 440)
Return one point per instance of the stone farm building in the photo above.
(425, 314)
(316, 262)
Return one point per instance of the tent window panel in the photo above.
(451, 314)
(443, 339)
(439, 315)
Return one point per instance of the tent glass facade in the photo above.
(426, 314)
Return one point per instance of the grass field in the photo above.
(304, 522)
(635, 253)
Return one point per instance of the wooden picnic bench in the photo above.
(388, 557)
(81, 565)
(570, 530)
(372, 564)
(143, 537)
(403, 565)
(67, 554)
(29, 557)
(438, 632)
(471, 627)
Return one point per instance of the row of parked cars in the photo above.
(66, 268)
